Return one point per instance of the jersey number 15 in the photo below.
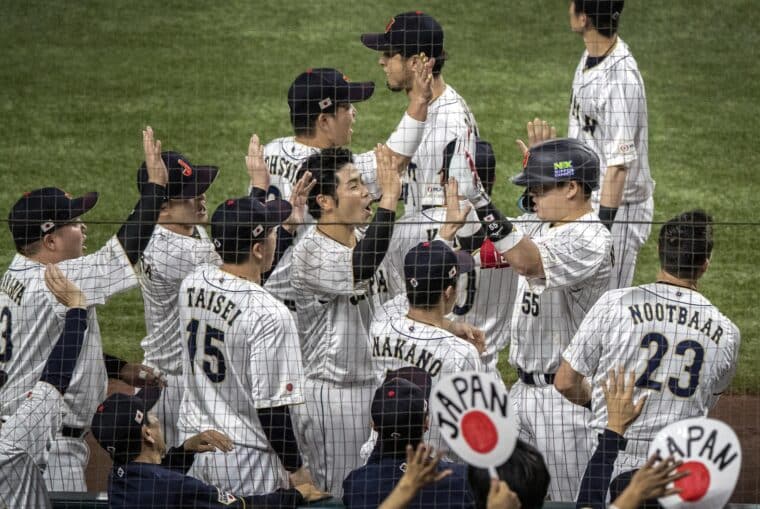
(213, 359)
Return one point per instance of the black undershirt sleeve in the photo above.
(136, 231)
(370, 251)
(596, 479)
(279, 431)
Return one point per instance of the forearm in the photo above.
(62, 361)
(290, 498)
(407, 136)
(519, 251)
(370, 251)
(178, 459)
(113, 365)
(611, 194)
(400, 497)
(284, 241)
(578, 393)
(135, 233)
(278, 428)
(596, 479)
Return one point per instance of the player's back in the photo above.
(682, 348)
(231, 364)
(166, 261)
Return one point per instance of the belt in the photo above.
(530, 378)
(70, 432)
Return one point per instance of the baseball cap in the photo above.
(430, 267)
(41, 211)
(409, 33)
(317, 91)
(559, 160)
(398, 410)
(237, 223)
(118, 421)
(417, 376)
(185, 179)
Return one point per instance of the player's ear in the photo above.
(256, 251)
(573, 188)
(147, 436)
(325, 202)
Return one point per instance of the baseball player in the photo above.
(322, 114)
(177, 247)
(241, 356)
(608, 111)
(333, 275)
(46, 228)
(683, 350)
(420, 337)
(407, 38)
(564, 260)
(25, 435)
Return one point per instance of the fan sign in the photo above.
(712, 455)
(475, 417)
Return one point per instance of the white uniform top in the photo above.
(399, 341)
(24, 440)
(577, 260)
(448, 118)
(608, 111)
(334, 311)
(241, 353)
(485, 297)
(684, 352)
(167, 260)
(31, 321)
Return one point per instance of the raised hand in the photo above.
(501, 497)
(157, 172)
(65, 292)
(389, 169)
(455, 214)
(422, 82)
(299, 197)
(538, 132)
(258, 172)
(208, 441)
(651, 481)
(140, 375)
(621, 411)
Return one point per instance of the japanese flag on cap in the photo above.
(476, 418)
(712, 455)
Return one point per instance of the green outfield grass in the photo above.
(79, 80)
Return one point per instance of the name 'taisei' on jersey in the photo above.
(216, 303)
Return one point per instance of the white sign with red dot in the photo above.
(475, 417)
(712, 455)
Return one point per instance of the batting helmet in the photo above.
(559, 160)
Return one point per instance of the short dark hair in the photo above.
(685, 244)
(525, 472)
(323, 167)
(426, 300)
(604, 14)
(305, 124)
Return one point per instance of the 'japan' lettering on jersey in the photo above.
(399, 341)
(448, 118)
(166, 261)
(608, 111)
(684, 352)
(240, 353)
(334, 311)
(577, 259)
(31, 321)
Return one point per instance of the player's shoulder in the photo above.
(314, 245)
(451, 110)
(288, 147)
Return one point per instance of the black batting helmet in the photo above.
(559, 160)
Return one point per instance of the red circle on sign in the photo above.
(694, 486)
(479, 431)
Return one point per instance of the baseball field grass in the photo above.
(78, 81)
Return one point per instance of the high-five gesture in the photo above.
(538, 132)
(157, 173)
(455, 214)
(621, 411)
(298, 199)
(389, 167)
(422, 84)
(254, 162)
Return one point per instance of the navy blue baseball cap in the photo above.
(399, 409)
(118, 421)
(409, 33)
(320, 90)
(429, 268)
(41, 211)
(559, 160)
(239, 222)
(186, 180)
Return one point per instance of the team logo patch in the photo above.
(325, 103)
(625, 148)
(47, 226)
(414, 283)
(139, 416)
(187, 170)
(452, 272)
(563, 169)
(258, 230)
(226, 497)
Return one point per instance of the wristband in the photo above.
(407, 136)
(607, 215)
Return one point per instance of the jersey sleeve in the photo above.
(470, 361)
(100, 275)
(571, 257)
(275, 360)
(727, 360)
(462, 167)
(321, 270)
(622, 110)
(182, 256)
(367, 166)
(585, 349)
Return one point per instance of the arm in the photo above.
(612, 194)
(370, 251)
(181, 458)
(278, 428)
(135, 233)
(572, 385)
(421, 470)
(650, 482)
(408, 134)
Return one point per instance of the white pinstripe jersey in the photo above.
(334, 311)
(31, 321)
(577, 260)
(240, 353)
(684, 352)
(166, 261)
(608, 111)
